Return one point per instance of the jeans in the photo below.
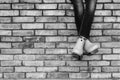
(84, 17)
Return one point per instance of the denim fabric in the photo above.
(84, 16)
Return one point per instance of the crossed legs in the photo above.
(84, 16)
(83, 20)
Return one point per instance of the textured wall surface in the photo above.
(37, 37)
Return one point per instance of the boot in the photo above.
(90, 48)
(78, 49)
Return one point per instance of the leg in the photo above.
(87, 22)
(78, 10)
(88, 17)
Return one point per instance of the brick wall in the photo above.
(37, 37)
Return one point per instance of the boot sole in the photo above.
(79, 57)
(94, 51)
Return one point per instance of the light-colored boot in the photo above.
(90, 47)
(78, 49)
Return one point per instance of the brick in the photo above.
(115, 63)
(111, 69)
(49, 57)
(79, 75)
(5, 32)
(45, 32)
(33, 63)
(115, 38)
(57, 75)
(25, 69)
(116, 75)
(111, 44)
(66, 19)
(72, 39)
(99, 6)
(46, 19)
(33, 51)
(54, 63)
(6, 57)
(23, 45)
(5, 6)
(32, 26)
(111, 32)
(56, 39)
(34, 39)
(103, 13)
(46, 6)
(47, 69)
(104, 51)
(36, 75)
(9, 13)
(11, 39)
(56, 51)
(76, 63)
(93, 57)
(53, 12)
(96, 32)
(98, 19)
(55, 26)
(69, 69)
(67, 32)
(102, 26)
(10, 63)
(53, 1)
(70, 13)
(23, 32)
(67, 57)
(6, 69)
(65, 45)
(116, 50)
(44, 45)
(5, 45)
(101, 39)
(30, 13)
(23, 19)
(106, 1)
(112, 6)
(10, 26)
(14, 75)
(9, 1)
(99, 63)
(116, 13)
(116, 1)
(31, 1)
(116, 26)
(90, 69)
(24, 57)
(5, 19)
(11, 51)
(101, 75)
(110, 19)
(65, 6)
(111, 57)
(22, 6)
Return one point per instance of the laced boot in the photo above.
(90, 47)
(78, 49)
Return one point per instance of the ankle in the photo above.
(82, 37)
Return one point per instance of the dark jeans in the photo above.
(84, 17)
